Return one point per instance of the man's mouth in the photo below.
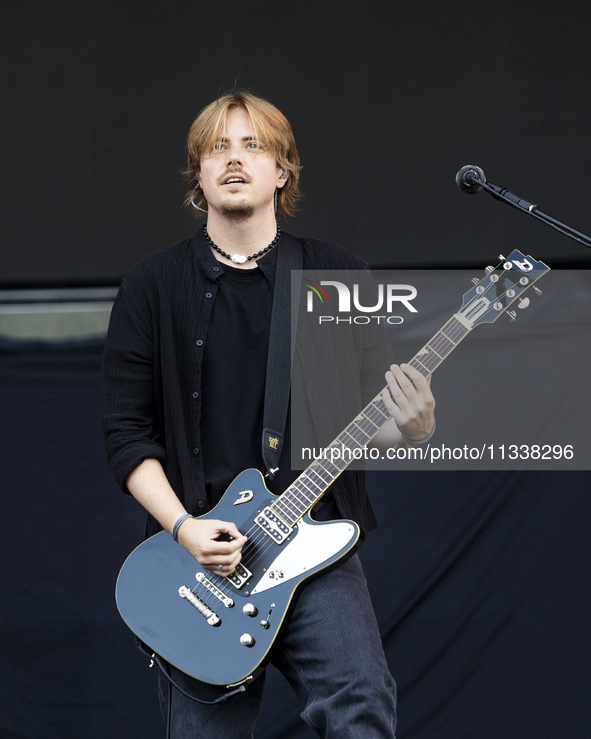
(234, 180)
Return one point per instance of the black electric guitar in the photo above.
(220, 629)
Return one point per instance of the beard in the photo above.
(237, 211)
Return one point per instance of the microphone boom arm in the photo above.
(471, 179)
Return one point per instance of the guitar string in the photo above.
(439, 341)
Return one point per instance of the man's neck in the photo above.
(245, 236)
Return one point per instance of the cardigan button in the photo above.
(216, 269)
(208, 295)
(195, 394)
(196, 450)
(200, 504)
(199, 342)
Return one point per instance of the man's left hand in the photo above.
(410, 401)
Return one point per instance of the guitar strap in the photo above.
(282, 334)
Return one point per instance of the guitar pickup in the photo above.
(272, 525)
(239, 576)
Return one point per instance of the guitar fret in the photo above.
(308, 490)
(290, 501)
(434, 352)
(365, 417)
(439, 347)
(323, 482)
(378, 404)
(333, 464)
(306, 478)
(442, 332)
(293, 489)
(380, 408)
(303, 492)
(281, 508)
(322, 462)
(346, 431)
(353, 431)
(451, 344)
(296, 504)
(422, 365)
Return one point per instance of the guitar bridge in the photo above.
(210, 616)
(272, 525)
(202, 580)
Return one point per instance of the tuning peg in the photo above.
(489, 269)
(502, 257)
(523, 303)
(537, 290)
(511, 315)
(475, 280)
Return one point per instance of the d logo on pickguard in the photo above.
(244, 497)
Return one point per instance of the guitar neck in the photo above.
(311, 485)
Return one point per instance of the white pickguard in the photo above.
(312, 546)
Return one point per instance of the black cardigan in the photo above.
(152, 370)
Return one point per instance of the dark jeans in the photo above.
(331, 654)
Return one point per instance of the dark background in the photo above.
(387, 102)
(480, 579)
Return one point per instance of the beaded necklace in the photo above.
(240, 258)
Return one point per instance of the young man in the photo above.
(184, 388)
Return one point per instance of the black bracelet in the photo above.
(176, 527)
(411, 442)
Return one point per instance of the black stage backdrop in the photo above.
(387, 99)
(480, 582)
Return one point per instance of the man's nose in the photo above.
(235, 154)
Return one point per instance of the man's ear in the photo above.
(283, 178)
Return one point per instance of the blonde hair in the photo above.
(269, 125)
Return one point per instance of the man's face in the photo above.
(239, 177)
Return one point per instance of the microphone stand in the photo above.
(471, 179)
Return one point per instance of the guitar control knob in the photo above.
(247, 640)
(250, 610)
(265, 623)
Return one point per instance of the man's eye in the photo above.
(218, 146)
(255, 146)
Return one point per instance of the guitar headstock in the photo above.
(500, 288)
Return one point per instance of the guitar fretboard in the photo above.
(309, 487)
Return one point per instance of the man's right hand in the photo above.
(216, 545)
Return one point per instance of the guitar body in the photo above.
(220, 630)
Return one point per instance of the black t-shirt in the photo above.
(234, 370)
